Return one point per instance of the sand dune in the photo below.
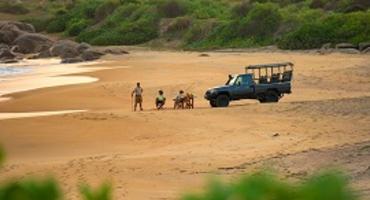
(159, 155)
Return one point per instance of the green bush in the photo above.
(334, 28)
(172, 8)
(102, 193)
(58, 24)
(105, 9)
(30, 190)
(11, 8)
(40, 24)
(261, 186)
(76, 26)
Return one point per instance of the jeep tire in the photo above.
(222, 100)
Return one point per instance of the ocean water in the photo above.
(6, 71)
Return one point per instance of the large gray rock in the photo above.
(89, 55)
(363, 45)
(367, 50)
(25, 27)
(3, 46)
(7, 54)
(349, 50)
(65, 49)
(82, 47)
(32, 43)
(345, 46)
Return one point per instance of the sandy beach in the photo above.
(161, 154)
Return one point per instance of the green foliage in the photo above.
(172, 8)
(76, 26)
(129, 24)
(259, 186)
(30, 190)
(101, 193)
(40, 24)
(58, 24)
(335, 28)
(105, 9)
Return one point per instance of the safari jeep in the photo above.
(266, 83)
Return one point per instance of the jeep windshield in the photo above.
(232, 80)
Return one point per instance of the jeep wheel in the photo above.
(212, 103)
(222, 101)
(271, 96)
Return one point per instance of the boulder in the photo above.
(6, 54)
(65, 49)
(82, 47)
(363, 45)
(32, 43)
(203, 55)
(327, 46)
(7, 36)
(3, 46)
(345, 46)
(90, 55)
(349, 50)
(25, 27)
(367, 50)
(72, 60)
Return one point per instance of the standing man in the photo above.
(138, 92)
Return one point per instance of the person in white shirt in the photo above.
(138, 92)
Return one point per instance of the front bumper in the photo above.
(210, 96)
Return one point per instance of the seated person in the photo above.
(160, 100)
(179, 100)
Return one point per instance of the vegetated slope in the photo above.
(205, 24)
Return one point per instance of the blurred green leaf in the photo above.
(104, 192)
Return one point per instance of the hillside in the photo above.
(199, 24)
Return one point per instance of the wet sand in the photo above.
(159, 155)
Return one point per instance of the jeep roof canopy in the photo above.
(275, 72)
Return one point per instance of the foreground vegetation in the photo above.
(205, 24)
(258, 186)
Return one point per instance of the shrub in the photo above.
(102, 193)
(30, 190)
(11, 8)
(105, 9)
(76, 26)
(241, 9)
(172, 8)
(262, 20)
(40, 24)
(350, 27)
(259, 186)
(179, 24)
(58, 24)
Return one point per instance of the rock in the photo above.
(6, 54)
(204, 55)
(32, 43)
(7, 36)
(65, 49)
(349, 50)
(72, 60)
(276, 135)
(345, 46)
(90, 54)
(367, 50)
(3, 46)
(82, 47)
(327, 46)
(26, 27)
(363, 45)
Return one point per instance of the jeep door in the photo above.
(243, 87)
